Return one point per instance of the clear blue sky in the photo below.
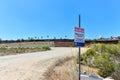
(57, 18)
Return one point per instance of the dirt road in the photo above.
(31, 66)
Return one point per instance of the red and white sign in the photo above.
(79, 37)
(77, 29)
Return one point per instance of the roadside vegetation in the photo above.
(46, 48)
(104, 57)
(5, 50)
(63, 69)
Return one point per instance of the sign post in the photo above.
(79, 42)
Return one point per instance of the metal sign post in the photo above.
(79, 53)
(79, 42)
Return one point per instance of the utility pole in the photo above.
(79, 51)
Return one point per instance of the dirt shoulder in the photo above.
(31, 66)
(65, 69)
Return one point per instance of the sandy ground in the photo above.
(31, 66)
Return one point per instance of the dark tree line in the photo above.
(31, 39)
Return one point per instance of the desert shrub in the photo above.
(3, 48)
(116, 74)
(106, 67)
(87, 58)
(112, 49)
(100, 48)
(46, 48)
(16, 50)
(105, 57)
(107, 70)
(90, 53)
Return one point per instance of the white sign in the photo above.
(79, 37)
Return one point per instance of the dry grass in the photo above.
(20, 50)
(89, 70)
(65, 69)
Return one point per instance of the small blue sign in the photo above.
(79, 44)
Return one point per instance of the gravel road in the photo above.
(31, 66)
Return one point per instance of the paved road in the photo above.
(31, 66)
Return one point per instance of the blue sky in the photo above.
(57, 18)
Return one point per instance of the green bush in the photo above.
(90, 53)
(116, 74)
(99, 47)
(87, 57)
(46, 48)
(105, 57)
(3, 48)
(107, 69)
